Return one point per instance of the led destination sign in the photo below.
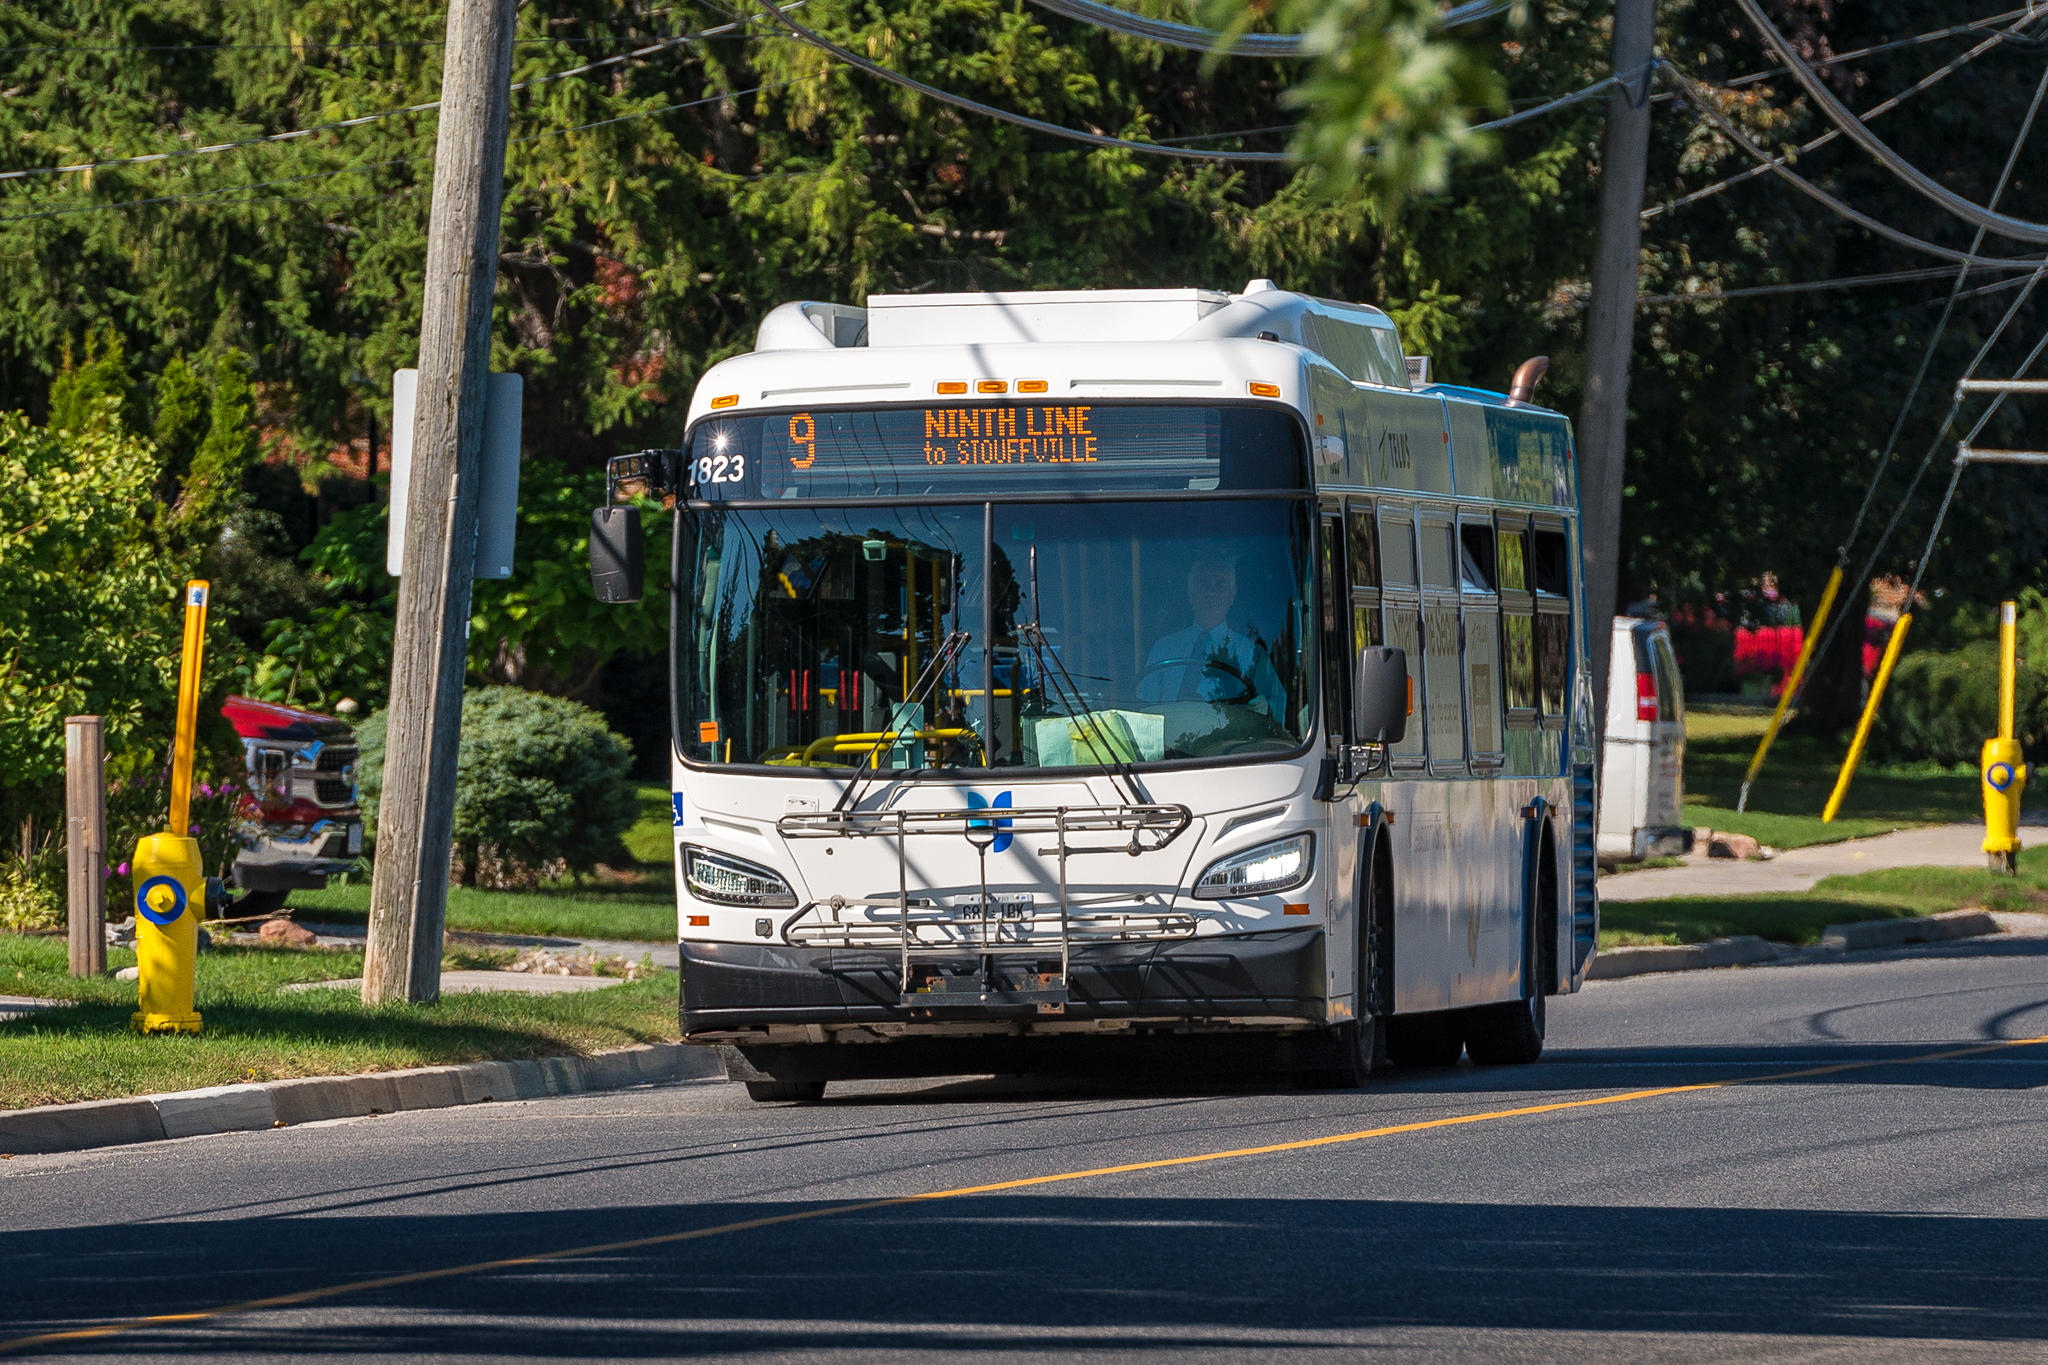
(968, 448)
(1009, 436)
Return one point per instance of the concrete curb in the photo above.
(282, 1104)
(1612, 963)
(1897, 933)
(1615, 963)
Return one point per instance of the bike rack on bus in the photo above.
(990, 927)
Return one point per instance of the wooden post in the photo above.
(85, 840)
(416, 814)
(1610, 332)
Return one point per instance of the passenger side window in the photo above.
(1443, 683)
(1400, 620)
(1479, 613)
(1551, 561)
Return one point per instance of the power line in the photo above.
(293, 47)
(1195, 39)
(1821, 196)
(366, 118)
(2013, 229)
(1894, 102)
(1816, 286)
(1841, 57)
(301, 46)
(209, 196)
(853, 59)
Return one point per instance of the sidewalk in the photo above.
(1800, 868)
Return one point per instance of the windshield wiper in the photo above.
(934, 670)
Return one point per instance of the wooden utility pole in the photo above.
(416, 813)
(85, 842)
(1610, 330)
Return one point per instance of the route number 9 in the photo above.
(803, 431)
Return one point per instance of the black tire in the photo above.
(1355, 1044)
(260, 902)
(1362, 1042)
(1426, 1039)
(1511, 1032)
(1507, 1034)
(765, 1092)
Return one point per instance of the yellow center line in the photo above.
(996, 1187)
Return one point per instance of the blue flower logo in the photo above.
(976, 801)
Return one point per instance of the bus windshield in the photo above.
(1096, 632)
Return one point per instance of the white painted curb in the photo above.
(277, 1104)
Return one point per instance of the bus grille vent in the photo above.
(1585, 868)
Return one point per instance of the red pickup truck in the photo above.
(300, 821)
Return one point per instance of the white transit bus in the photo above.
(1117, 679)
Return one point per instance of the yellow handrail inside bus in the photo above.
(861, 743)
(1791, 687)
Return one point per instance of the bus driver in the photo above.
(1209, 661)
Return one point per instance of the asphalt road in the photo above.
(1882, 1206)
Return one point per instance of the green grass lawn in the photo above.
(642, 909)
(1786, 802)
(255, 1033)
(1799, 917)
(591, 911)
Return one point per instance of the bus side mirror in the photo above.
(1381, 697)
(618, 560)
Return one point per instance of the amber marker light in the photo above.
(700, 921)
(1031, 386)
(1263, 390)
(730, 400)
(1293, 908)
(952, 386)
(992, 386)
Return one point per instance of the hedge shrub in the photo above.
(1943, 706)
(541, 787)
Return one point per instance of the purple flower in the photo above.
(121, 871)
(195, 829)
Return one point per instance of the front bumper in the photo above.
(297, 874)
(1277, 975)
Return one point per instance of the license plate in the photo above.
(1016, 906)
(355, 837)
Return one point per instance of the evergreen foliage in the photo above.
(540, 784)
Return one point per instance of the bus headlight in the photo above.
(725, 880)
(1279, 866)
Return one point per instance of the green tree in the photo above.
(212, 491)
(541, 785)
(89, 622)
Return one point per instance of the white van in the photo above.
(1642, 782)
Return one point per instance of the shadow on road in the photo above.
(1050, 1272)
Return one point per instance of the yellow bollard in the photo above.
(1791, 687)
(170, 883)
(1877, 685)
(2005, 775)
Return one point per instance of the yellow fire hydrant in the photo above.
(170, 882)
(2002, 764)
(170, 900)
